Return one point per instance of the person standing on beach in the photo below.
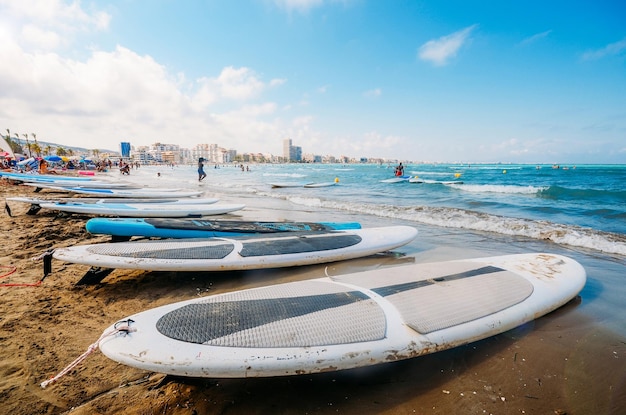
(201, 173)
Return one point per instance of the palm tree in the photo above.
(17, 140)
(37, 144)
(15, 145)
(61, 151)
(37, 149)
(30, 154)
(47, 149)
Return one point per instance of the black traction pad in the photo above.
(235, 226)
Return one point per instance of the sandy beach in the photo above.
(564, 363)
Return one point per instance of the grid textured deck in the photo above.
(281, 316)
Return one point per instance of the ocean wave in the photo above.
(570, 235)
(566, 193)
(502, 188)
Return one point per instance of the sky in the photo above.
(529, 81)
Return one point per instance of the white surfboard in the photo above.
(428, 181)
(42, 177)
(239, 253)
(179, 201)
(34, 181)
(288, 184)
(323, 184)
(144, 210)
(344, 321)
(125, 193)
(397, 179)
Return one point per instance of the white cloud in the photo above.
(536, 37)
(48, 24)
(238, 84)
(46, 39)
(439, 51)
(301, 6)
(611, 49)
(373, 93)
(120, 95)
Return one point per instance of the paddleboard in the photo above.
(344, 321)
(55, 185)
(240, 252)
(315, 185)
(288, 184)
(144, 210)
(180, 201)
(51, 177)
(126, 193)
(427, 181)
(396, 179)
(202, 228)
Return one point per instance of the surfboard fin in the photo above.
(33, 209)
(47, 264)
(7, 208)
(94, 276)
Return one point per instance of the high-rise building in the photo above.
(291, 152)
(287, 149)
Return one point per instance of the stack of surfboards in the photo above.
(342, 321)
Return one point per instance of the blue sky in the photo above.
(456, 81)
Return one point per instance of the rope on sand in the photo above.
(92, 348)
(11, 269)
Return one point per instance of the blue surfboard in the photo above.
(201, 228)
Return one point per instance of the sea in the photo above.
(460, 211)
(580, 206)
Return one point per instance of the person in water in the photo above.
(201, 173)
(400, 169)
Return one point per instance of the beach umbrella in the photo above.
(4, 154)
(53, 158)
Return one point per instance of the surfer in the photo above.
(201, 173)
(400, 169)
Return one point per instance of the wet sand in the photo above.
(565, 363)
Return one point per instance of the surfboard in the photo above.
(239, 252)
(52, 177)
(126, 193)
(396, 179)
(344, 321)
(288, 184)
(183, 201)
(427, 181)
(95, 184)
(144, 210)
(202, 228)
(323, 184)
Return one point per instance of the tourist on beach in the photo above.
(124, 168)
(43, 166)
(201, 173)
